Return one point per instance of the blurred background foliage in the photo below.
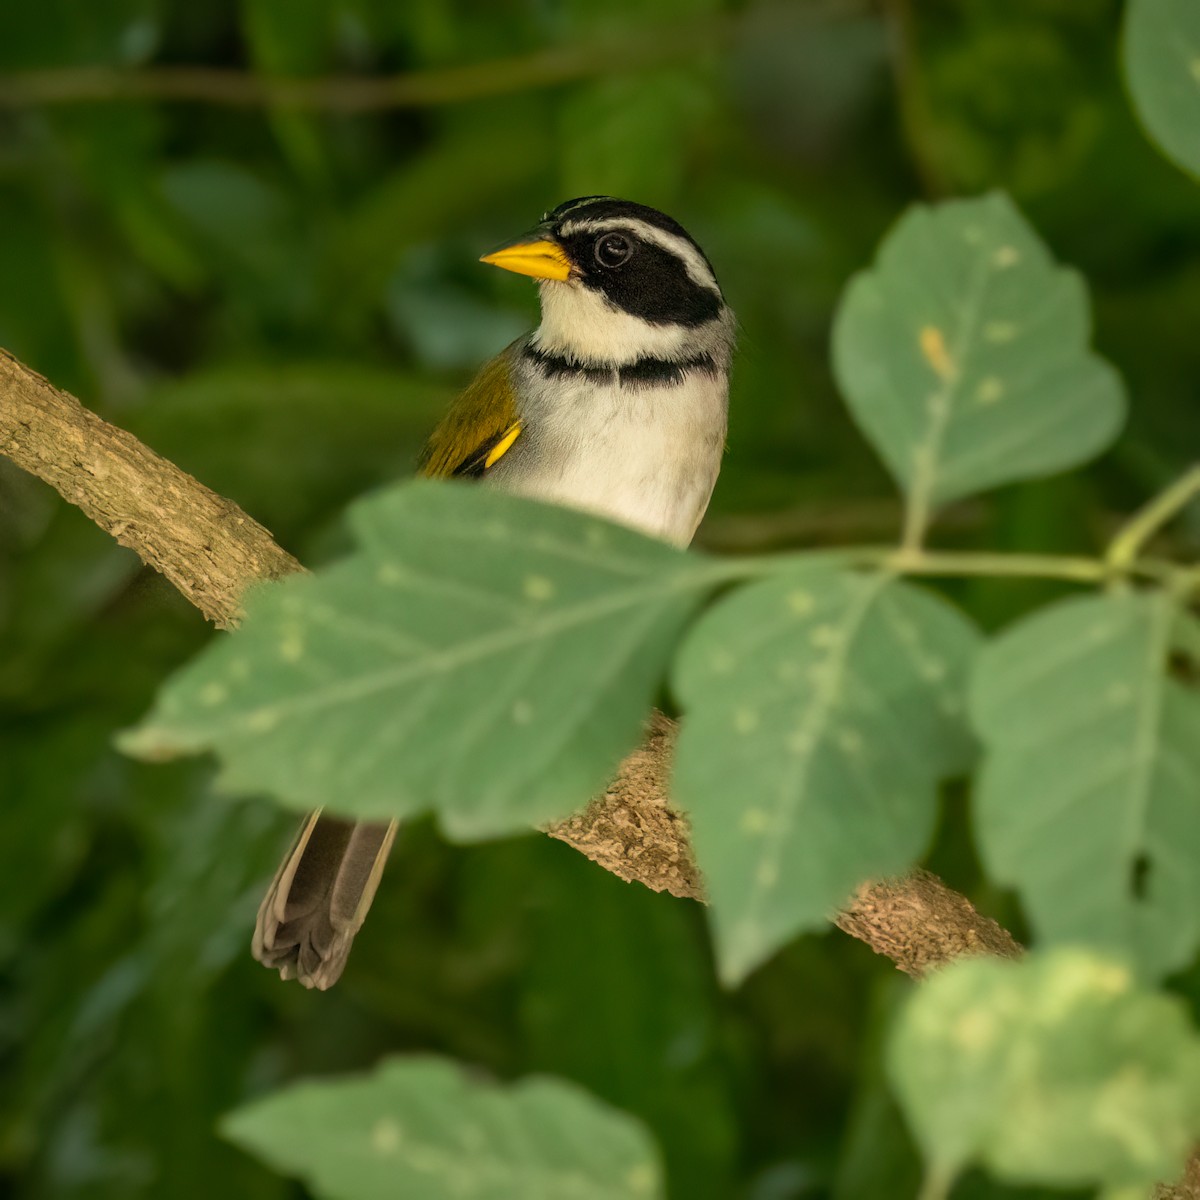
(281, 300)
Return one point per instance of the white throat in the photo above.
(583, 326)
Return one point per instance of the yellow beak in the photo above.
(542, 259)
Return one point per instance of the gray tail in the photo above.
(319, 898)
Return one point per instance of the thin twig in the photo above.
(641, 49)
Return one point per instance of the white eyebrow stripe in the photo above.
(585, 202)
(698, 270)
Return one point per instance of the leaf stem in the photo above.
(936, 1184)
(1147, 521)
(1011, 566)
(955, 563)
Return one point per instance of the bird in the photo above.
(616, 404)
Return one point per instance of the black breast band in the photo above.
(642, 372)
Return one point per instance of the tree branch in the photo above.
(204, 544)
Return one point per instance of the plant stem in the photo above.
(1000, 566)
(955, 563)
(1147, 521)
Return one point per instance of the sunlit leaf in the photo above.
(1089, 797)
(821, 709)
(1162, 62)
(963, 354)
(422, 1128)
(1053, 1069)
(481, 654)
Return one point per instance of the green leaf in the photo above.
(422, 1128)
(482, 654)
(1089, 798)
(1054, 1069)
(822, 708)
(1162, 63)
(963, 356)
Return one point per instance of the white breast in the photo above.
(646, 456)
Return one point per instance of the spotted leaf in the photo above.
(1088, 801)
(1055, 1069)
(821, 710)
(963, 354)
(480, 654)
(422, 1128)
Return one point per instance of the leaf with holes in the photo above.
(963, 354)
(1162, 64)
(422, 1128)
(1053, 1069)
(1089, 797)
(481, 654)
(822, 708)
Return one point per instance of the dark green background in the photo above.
(282, 302)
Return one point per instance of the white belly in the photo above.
(645, 457)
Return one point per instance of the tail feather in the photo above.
(320, 896)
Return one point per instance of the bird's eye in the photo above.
(612, 250)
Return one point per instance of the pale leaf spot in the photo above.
(522, 712)
(722, 662)
(641, 1180)
(937, 405)
(213, 693)
(851, 741)
(933, 347)
(537, 587)
(1006, 256)
(596, 536)
(976, 1030)
(1195, 69)
(389, 575)
(999, 332)
(800, 602)
(239, 669)
(767, 875)
(755, 820)
(1119, 694)
(932, 670)
(386, 1136)
(800, 742)
(972, 235)
(989, 391)
(745, 720)
(825, 637)
(262, 721)
(291, 649)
